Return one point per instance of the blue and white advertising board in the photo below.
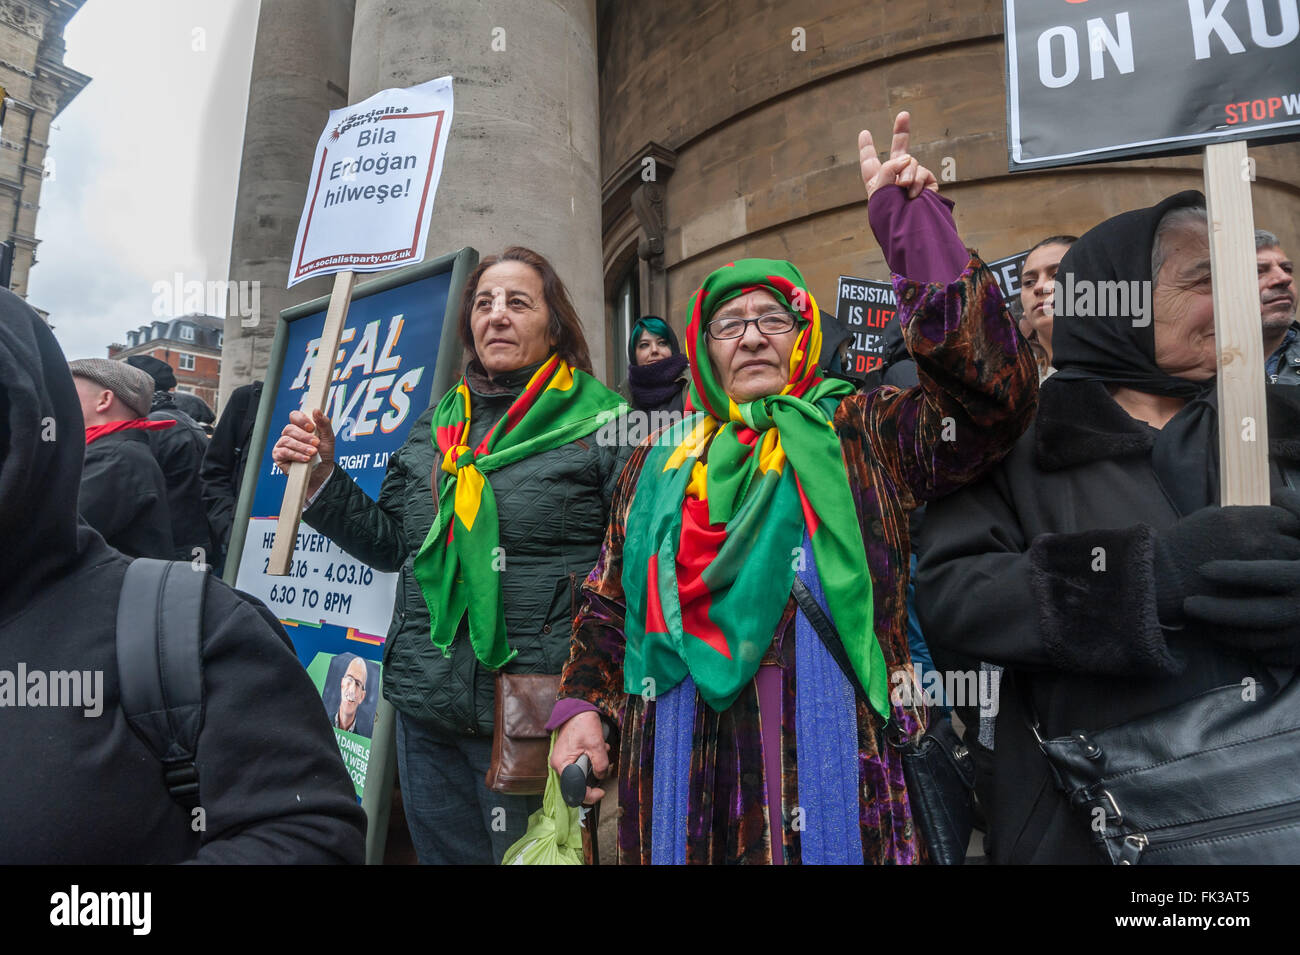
(399, 352)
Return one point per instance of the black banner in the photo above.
(864, 307)
(1007, 272)
(1221, 904)
(1089, 80)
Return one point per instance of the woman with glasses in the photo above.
(739, 738)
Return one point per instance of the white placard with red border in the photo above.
(373, 181)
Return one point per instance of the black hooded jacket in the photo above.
(225, 458)
(83, 787)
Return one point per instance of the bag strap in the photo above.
(159, 665)
(1029, 713)
(826, 631)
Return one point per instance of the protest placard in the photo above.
(1006, 271)
(864, 307)
(373, 181)
(1115, 78)
(369, 204)
(1112, 78)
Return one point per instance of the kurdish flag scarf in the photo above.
(459, 566)
(713, 546)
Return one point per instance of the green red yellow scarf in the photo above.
(712, 548)
(459, 565)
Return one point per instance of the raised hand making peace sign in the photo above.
(900, 168)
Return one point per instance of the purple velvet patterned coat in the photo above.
(901, 448)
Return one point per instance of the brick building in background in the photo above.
(37, 86)
(191, 344)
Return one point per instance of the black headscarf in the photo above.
(1120, 349)
(1116, 349)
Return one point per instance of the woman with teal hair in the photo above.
(657, 378)
(742, 733)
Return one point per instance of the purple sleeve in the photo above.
(918, 236)
(566, 710)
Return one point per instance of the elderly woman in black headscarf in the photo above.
(657, 378)
(1094, 562)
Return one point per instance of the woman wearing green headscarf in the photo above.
(739, 737)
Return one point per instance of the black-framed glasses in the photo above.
(349, 678)
(773, 323)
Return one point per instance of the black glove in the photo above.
(1255, 539)
(1255, 608)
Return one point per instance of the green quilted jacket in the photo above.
(553, 508)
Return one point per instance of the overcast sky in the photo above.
(145, 162)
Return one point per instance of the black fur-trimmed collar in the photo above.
(1078, 421)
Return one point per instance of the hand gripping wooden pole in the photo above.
(1238, 330)
(295, 491)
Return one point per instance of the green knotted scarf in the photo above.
(460, 563)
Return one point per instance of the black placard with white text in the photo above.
(1007, 272)
(1089, 80)
(864, 307)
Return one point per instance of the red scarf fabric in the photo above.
(97, 431)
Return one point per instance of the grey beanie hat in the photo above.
(133, 387)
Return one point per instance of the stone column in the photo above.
(300, 73)
(523, 161)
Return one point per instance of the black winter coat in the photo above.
(1009, 573)
(179, 452)
(81, 786)
(124, 495)
(222, 471)
(552, 508)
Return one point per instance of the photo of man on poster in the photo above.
(347, 707)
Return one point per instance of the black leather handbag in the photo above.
(940, 775)
(1210, 780)
(938, 768)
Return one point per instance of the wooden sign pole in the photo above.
(1238, 330)
(295, 491)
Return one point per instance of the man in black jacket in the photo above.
(123, 492)
(223, 464)
(85, 789)
(179, 451)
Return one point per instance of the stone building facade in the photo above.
(762, 139)
(38, 86)
(746, 112)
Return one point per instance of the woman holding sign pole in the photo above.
(1130, 610)
(493, 508)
